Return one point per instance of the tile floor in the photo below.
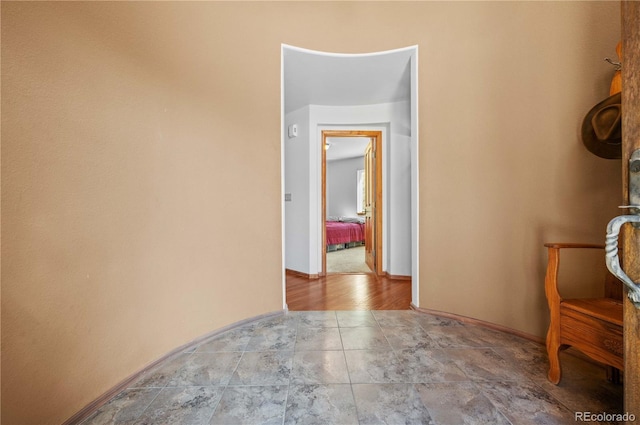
(361, 367)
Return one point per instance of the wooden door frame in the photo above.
(376, 135)
(630, 247)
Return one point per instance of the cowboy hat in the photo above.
(602, 128)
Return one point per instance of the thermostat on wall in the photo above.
(293, 130)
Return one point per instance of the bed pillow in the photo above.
(359, 220)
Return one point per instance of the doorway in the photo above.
(360, 230)
(353, 92)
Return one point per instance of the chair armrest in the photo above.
(612, 287)
(553, 265)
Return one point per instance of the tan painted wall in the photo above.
(141, 169)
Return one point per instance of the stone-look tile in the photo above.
(251, 406)
(233, 340)
(584, 384)
(469, 375)
(526, 403)
(263, 368)
(317, 319)
(456, 337)
(365, 338)
(481, 364)
(424, 366)
(272, 339)
(417, 338)
(371, 367)
(289, 320)
(191, 405)
(159, 376)
(528, 357)
(319, 367)
(429, 321)
(575, 369)
(492, 338)
(125, 408)
(318, 339)
(352, 319)
(321, 405)
(400, 318)
(459, 403)
(581, 395)
(206, 369)
(390, 404)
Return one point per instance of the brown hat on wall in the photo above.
(602, 128)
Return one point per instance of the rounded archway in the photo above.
(334, 91)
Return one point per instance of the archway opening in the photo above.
(332, 91)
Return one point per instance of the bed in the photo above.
(344, 233)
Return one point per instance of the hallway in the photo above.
(361, 367)
(347, 292)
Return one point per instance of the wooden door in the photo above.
(630, 240)
(369, 206)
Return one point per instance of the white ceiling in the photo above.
(346, 147)
(317, 78)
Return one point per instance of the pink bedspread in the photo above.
(339, 232)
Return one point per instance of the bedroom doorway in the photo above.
(352, 242)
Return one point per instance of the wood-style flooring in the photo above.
(347, 292)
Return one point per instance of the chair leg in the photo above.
(553, 351)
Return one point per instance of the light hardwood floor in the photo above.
(347, 292)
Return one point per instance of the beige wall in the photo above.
(503, 169)
(141, 169)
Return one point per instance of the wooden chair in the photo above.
(591, 325)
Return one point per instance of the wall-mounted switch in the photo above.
(293, 131)
(287, 197)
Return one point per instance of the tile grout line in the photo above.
(166, 385)
(562, 403)
(286, 399)
(244, 350)
(344, 355)
(484, 394)
(150, 403)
